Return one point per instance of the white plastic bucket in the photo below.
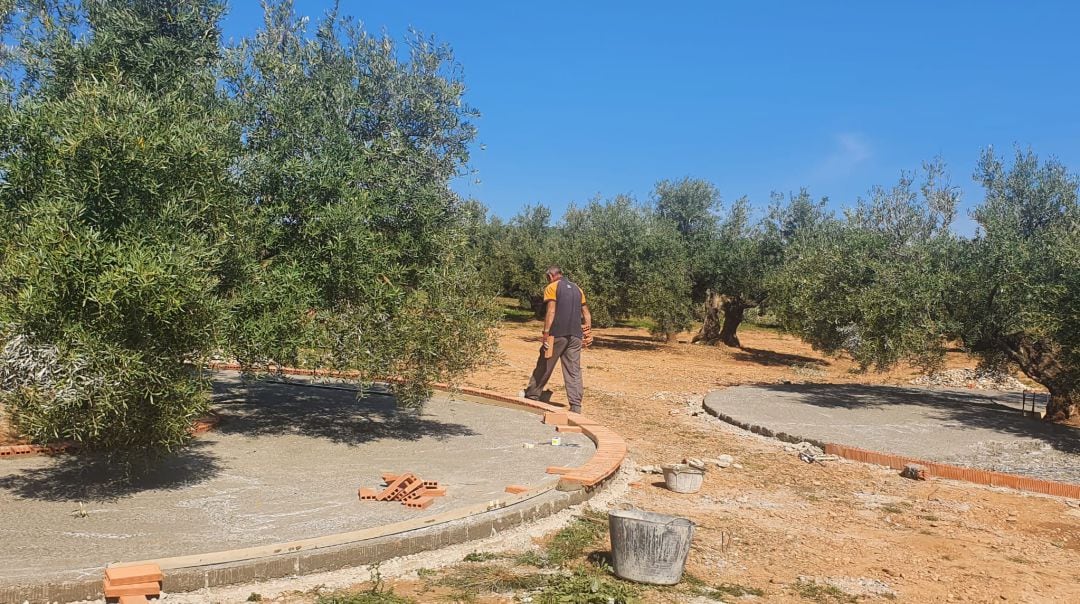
(649, 548)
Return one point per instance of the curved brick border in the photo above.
(368, 546)
(933, 468)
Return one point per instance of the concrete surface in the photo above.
(283, 464)
(960, 427)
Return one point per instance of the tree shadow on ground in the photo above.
(250, 409)
(93, 477)
(971, 409)
(771, 358)
(627, 342)
(328, 411)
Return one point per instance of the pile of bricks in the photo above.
(409, 489)
(133, 584)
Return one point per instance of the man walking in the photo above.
(564, 334)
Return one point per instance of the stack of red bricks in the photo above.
(411, 490)
(133, 584)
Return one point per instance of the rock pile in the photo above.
(982, 379)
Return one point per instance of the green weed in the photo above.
(822, 594)
(480, 557)
(586, 586)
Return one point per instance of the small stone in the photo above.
(737, 466)
(724, 461)
(914, 471)
(695, 463)
(651, 470)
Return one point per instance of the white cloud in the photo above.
(850, 150)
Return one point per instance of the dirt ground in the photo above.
(777, 519)
(775, 524)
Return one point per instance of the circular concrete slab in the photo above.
(284, 464)
(978, 429)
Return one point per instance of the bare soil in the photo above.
(774, 520)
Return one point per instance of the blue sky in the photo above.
(600, 98)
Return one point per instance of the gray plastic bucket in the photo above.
(681, 478)
(648, 547)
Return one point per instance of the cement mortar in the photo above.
(980, 429)
(284, 464)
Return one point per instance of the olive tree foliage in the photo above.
(693, 207)
(1018, 300)
(874, 283)
(730, 254)
(524, 247)
(362, 259)
(117, 215)
(739, 258)
(628, 261)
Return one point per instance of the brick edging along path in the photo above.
(897, 462)
(359, 548)
(951, 472)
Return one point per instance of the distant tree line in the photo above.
(885, 281)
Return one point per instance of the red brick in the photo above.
(398, 483)
(559, 470)
(132, 600)
(516, 489)
(573, 429)
(367, 494)
(556, 418)
(130, 575)
(406, 489)
(420, 502)
(150, 588)
(436, 492)
(388, 477)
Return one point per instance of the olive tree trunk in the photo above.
(1039, 360)
(723, 314)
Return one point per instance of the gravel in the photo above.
(980, 379)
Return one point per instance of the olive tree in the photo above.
(362, 260)
(740, 257)
(874, 284)
(1018, 300)
(628, 261)
(892, 282)
(730, 254)
(524, 248)
(117, 216)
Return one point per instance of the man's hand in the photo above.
(587, 340)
